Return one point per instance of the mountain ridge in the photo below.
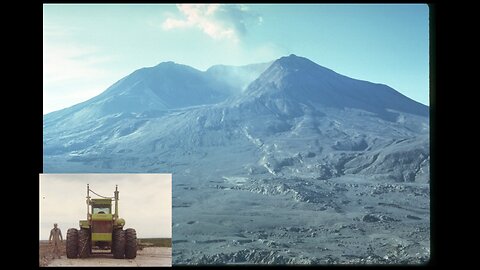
(280, 106)
(291, 62)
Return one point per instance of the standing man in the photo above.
(56, 235)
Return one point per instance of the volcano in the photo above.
(266, 159)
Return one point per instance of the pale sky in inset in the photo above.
(145, 201)
(88, 47)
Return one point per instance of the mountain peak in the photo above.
(299, 79)
(293, 59)
(167, 63)
(171, 65)
(294, 68)
(294, 63)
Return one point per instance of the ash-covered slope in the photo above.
(297, 108)
(295, 118)
(165, 86)
(291, 81)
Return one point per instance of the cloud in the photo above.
(219, 21)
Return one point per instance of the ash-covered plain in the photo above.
(302, 165)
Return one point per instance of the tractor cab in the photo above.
(100, 209)
(101, 206)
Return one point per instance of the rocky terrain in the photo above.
(286, 162)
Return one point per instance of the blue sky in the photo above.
(87, 48)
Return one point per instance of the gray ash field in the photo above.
(300, 166)
(302, 221)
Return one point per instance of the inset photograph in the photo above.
(105, 220)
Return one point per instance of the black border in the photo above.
(31, 119)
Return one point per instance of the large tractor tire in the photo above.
(130, 243)
(118, 244)
(72, 243)
(84, 243)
